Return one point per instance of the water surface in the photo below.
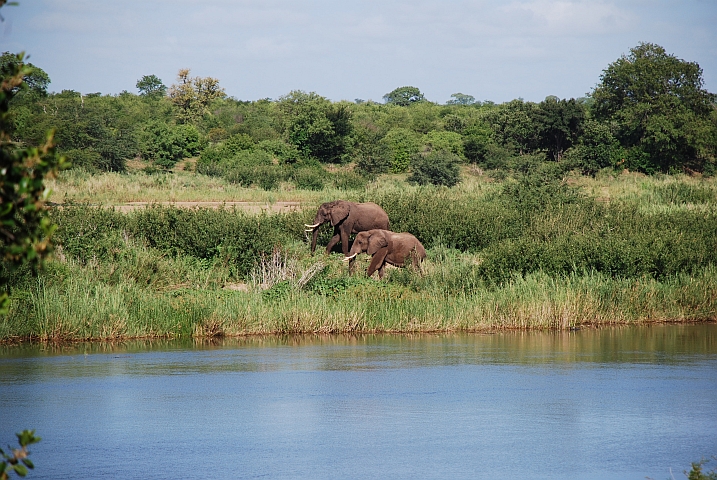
(596, 404)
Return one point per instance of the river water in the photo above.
(613, 403)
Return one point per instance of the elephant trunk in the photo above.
(314, 236)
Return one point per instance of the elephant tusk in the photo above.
(346, 259)
(311, 226)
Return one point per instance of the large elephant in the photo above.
(347, 218)
(387, 247)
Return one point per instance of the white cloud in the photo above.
(561, 18)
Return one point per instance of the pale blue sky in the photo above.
(492, 50)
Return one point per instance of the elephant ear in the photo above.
(376, 242)
(338, 213)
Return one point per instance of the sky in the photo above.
(358, 49)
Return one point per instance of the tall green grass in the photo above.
(80, 309)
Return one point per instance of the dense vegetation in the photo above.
(649, 113)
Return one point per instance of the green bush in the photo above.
(437, 168)
(88, 160)
(280, 150)
(233, 238)
(348, 180)
(266, 177)
(308, 178)
(166, 144)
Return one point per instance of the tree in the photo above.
(404, 96)
(36, 79)
(461, 99)
(192, 95)
(24, 229)
(660, 107)
(513, 125)
(559, 123)
(151, 86)
(317, 128)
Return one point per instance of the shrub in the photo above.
(446, 141)
(308, 178)
(437, 168)
(348, 181)
(402, 143)
(280, 150)
(86, 159)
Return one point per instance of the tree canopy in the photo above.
(151, 85)
(404, 96)
(660, 108)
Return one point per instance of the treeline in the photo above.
(648, 113)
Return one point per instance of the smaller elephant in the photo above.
(386, 247)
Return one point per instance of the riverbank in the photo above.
(75, 310)
(516, 254)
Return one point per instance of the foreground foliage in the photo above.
(17, 461)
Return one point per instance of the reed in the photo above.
(77, 308)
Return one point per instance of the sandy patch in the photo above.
(251, 207)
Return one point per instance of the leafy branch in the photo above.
(17, 461)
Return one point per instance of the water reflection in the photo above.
(607, 403)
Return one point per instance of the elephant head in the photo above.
(334, 212)
(347, 218)
(368, 242)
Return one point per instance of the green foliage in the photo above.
(513, 125)
(266, 177)
(402, 144)
(282, 151)
(315, 126)
(597, 148)
(404, 96)
(35, 79)
(559, 123)
(373, 158)
(445, 141)
(17, 461)
(344, 180)
(660, 108)
(461, 99)
(227, 150)
(24, 230)
(193, 95)
(278, 291)
(436, 168)
(151, 86)
(308, 178)
(166, 144)
(696, 472)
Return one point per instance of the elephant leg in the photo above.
(334, 240)
(345, 241)
(382, 271)
(377, 262)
